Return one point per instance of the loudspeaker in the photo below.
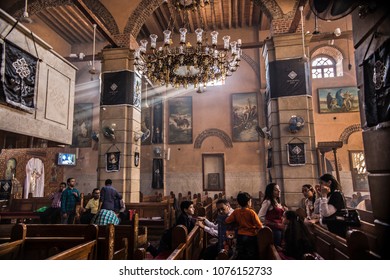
(123, 87)
(289, 78)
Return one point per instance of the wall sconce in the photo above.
(296, 123)
(337, 32)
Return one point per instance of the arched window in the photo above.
(323, 67)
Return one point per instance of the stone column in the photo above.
(289, 94)
(120, 111)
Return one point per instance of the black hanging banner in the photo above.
(158, 175)
(157, 123)
(296, 154)
(377, 86)
(18, 75)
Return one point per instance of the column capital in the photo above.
(117, 59)
(285, 46)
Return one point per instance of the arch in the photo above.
(36, 6)
(139, 16)
(213, 132)
(253, 64)
(330, 51)
(146, 7)
(348, 131)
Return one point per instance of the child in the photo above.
(248, 226)
(297, 240)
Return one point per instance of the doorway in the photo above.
(213, 168)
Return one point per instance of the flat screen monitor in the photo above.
(66, 159)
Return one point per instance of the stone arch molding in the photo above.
(213, 132)
(348, 131)
(147, 7)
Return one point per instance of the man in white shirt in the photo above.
(217, 230)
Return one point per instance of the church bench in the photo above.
(24, 210)
(194, 241)
(43, 241)
(134, 235)
(333, 247)
(178, 253)
(84, 251)
(156, 216)
(5, 232)
(186, 246)
(11, 250)
(265, 246)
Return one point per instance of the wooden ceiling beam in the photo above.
(95, 20)
(250, 18)
(49, 22)
(242, 14)
(221, 12)
(230, 13)
(297, 17)
(235, 11)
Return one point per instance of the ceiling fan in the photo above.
(25, 17)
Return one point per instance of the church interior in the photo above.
(205, 98)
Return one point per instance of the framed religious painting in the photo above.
(180, 120)
(244, 117)
(338, 100)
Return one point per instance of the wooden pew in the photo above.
(135, 235)
(193, 241)
(265, 245)
(156, 216)
(11, 250)
(178, 253)
(84, 251)
(332, 247)
(5, 232)
(24, 210)
(44, 241)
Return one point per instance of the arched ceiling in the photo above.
(73, 19)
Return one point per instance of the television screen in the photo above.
(66, 159)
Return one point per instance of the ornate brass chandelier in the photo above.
(184, 64)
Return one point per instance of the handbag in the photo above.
(350, 217)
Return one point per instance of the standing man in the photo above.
(109, 197)
(70, 197)
(53, 213)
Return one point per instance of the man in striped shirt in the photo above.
(52, 214)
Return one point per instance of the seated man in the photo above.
(105, 217)
(219, 230)
(91, 208)
(185, 219)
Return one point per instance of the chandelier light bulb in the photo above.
(181, 64)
